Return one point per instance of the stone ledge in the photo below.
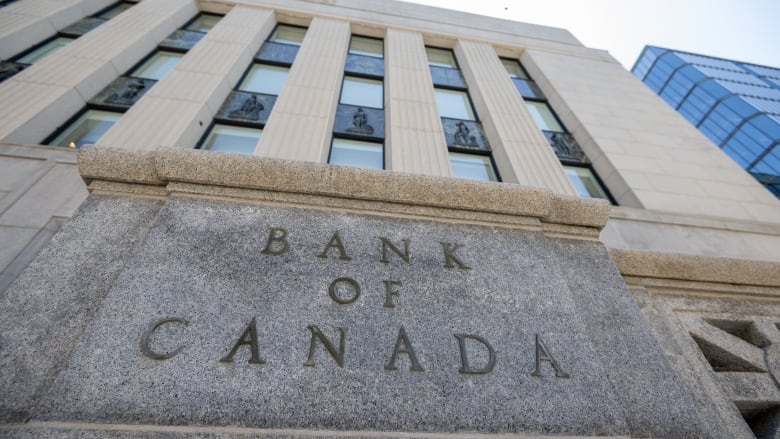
(644, 264)
(168, 165)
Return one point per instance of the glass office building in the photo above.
(735, 104)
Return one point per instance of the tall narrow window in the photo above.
(469, 150)
(105, 108)
(359, 130)
(42, 50)
(574, 160)
(239, 122)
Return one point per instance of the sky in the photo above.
(743, 30)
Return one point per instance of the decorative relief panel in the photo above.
(246, 107)
(8, 69)
(353, 121)
(565, 147)
(123, 92)
(465, 135)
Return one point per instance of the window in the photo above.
(575, 162)
(543, 116)
(105, 108)
(288, 35)
(226, 138)
(471, 166)
(86, 129)
(441, 58)
(359, 128)
(586, 183)
(469, 149)
(356, 153)
(362, 92)
(264, 78)
(203, 23)
(43, 50)
(240, 120)
(160, 63)
(454, 104)
(113, 11)
(366, 47)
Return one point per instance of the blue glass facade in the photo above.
(736, 105)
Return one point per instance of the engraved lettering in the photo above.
(404, 346)
(450, 257)
(465, 367)
(276, 235)
(543, 354)
(390, 292)
(316, 334)
(332, 289)
(145, 343)
(387, 244)
(335, 242)
(248, 338)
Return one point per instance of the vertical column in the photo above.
(24, 24)
(47, 94)
(178, 109)
(301, 122)
(414, 141)
(521, 152)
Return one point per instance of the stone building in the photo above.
(269, 218)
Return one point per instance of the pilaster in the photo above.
(301, 122)
(522, 154)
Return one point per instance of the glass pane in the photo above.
(474, 167)
(441, 57)
(44, 51)
(87, 129)
(366, 46)
(585, 182)
(544, 117)
(454, 104)
(513, 68)
(288, 34)
(362, 93)
(204, 22)
(226, 138)
(115, 10)
(358, 154)
(157, 65)
(265, 79)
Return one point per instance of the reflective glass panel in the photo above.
(263, 78)
(513, 68)
(473, 167)
(87, 129)
(357, 154)
(288, 34)
(454, 104)
(115, 10)
(226, 138)
(366, 46)
(362, 92)
(157, 65)
(441, 57)
(544, 117)
(44, 51)
(204, 22)
(585, 182)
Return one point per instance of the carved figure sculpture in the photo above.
(249, 109)
(360, 123)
